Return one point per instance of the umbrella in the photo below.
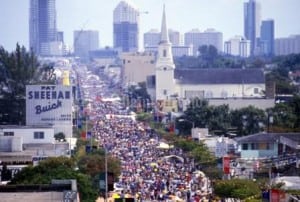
(199, 173)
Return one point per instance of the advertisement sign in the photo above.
(226, 164)
(48, 104)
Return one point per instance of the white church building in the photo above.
(171, 85)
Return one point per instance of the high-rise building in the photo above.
(42, 25)
(208, 37)
(85, 41)
(267, 37)
(126, 27)
(60, 36)
(252, 23)
(288, 45)
(175, 37)
(152, 38)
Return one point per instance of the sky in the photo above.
(225, 16)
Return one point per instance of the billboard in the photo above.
(48, 104)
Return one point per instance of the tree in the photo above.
(295, 103)
(57, 168)
(220, 119)
(208, 54)
(248, 120)
(215, 118)
(283, 116)
(5, 173)
(21, 68)
(236, 188)
(60, 137)
(199, 112)
(94, 163)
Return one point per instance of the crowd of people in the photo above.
(149, 170)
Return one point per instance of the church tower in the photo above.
(164, 71)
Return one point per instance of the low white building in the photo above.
(12, 138)
(23, 145)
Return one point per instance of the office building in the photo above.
(208, 37)
(126, 27)
(42, 25)
(60, 36)
(267, 37)
(252, 23)
(287, 45)
(85, 41)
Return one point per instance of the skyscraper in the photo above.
(252, 23)
(126, 27)
(267, 37)
(42, 24)
(85, 41)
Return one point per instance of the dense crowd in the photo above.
(150, 171)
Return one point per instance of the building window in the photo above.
(255, 90)
(253, 146)
(165, 92)
(245, 146)
(38, 135)
(8, 134)
(164, 53)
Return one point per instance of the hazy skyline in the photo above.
(225, 16)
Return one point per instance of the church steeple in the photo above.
(164, 36)
(164, 71)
